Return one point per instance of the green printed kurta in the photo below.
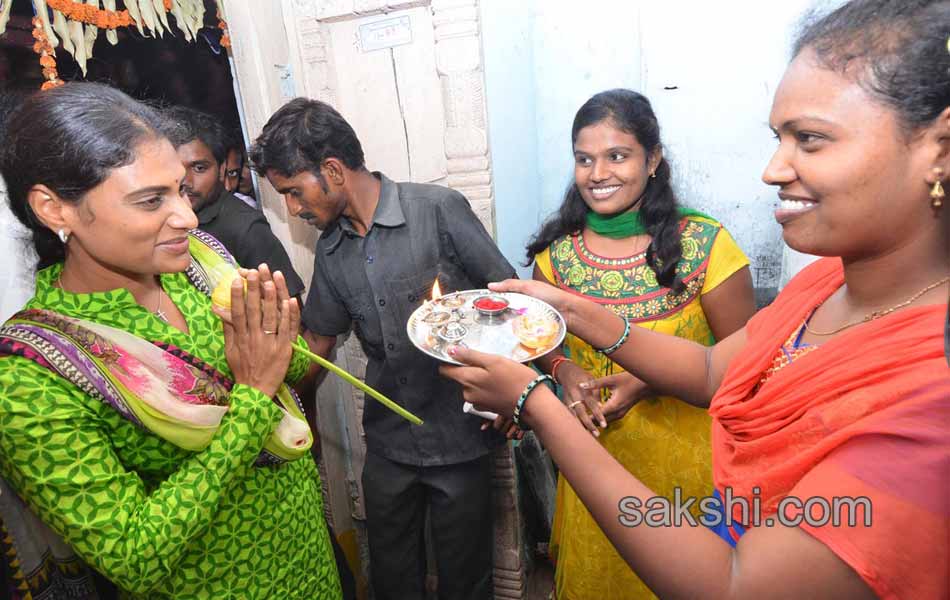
(160, 521)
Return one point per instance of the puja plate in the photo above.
(526, 329)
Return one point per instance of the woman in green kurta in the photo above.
(130, 490)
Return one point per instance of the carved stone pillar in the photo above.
(459, 63)
(458, 59)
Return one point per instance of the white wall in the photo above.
(508, 49)
(543, 59)
(710, 70)
(17, 260)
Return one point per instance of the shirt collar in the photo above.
(388, 214)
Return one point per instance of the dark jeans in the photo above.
(459, 500)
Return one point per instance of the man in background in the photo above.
(200, 141)
(237, 172)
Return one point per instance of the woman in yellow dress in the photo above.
(620, 238)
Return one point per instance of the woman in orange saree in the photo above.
(834, 401)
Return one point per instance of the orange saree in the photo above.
(867, 414)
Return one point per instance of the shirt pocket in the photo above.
(408, 294)
(366, 323)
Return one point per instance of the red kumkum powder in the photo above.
(490, 304)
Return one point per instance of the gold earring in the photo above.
(936, 195)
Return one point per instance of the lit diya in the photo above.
(450, 301)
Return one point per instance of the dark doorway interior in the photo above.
(168, 70)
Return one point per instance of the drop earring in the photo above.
(936, 195)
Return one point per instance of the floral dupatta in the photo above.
(159, 387)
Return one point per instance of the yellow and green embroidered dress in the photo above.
(663, 441)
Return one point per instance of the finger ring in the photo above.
(270, 332)
(573, 404)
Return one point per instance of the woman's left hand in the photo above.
(225, 313)
(263, 323)
(490, 382)
(625, 391)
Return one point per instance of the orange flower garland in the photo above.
(47, 56)
(225, 36)
(89, 14)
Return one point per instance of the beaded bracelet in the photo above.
(516, 416)
(619, 343)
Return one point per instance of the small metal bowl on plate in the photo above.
(437, 317)
(490, 305)
(450, 301)
(450, 332)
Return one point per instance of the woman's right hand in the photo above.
(562, 301)
(581, 400)
(262, 326)
(490, 382)
(597, 325)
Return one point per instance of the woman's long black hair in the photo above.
(630, 112)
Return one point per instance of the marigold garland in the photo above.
(100, 17)
(47, 56)
(79, 11)
(225, 36)
(91, 15)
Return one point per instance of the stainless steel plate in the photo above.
(460, 324)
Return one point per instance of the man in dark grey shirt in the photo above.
(383, 246)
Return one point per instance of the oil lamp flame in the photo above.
(436, 290)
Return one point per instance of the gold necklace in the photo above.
(158, 309)
(878, 313)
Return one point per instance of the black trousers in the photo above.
(459, 501)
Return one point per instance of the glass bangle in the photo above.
(516, 416)
(619, 343)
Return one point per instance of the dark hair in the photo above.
(9, 101)
(187, 125)
(896, 49)
(301, 135)
(235, 141)
(69, 139)
(630, 112)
